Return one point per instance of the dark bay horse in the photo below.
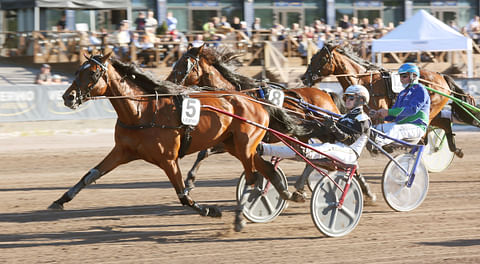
(214, 67)
(351, 69)
(149, 127)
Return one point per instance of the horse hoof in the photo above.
(239, 225)
(459, 153)
(370, 198)
(286, 195)
(55, 206)
(299, 196)
(213, 212)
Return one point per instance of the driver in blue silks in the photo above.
(410, 113)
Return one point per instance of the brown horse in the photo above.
(216, 68)
(149, 128)
(351, 69)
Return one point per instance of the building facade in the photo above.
(192, 14)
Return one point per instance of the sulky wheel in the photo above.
(394, 184)
(437, 155)
(264, 202)
(328, 218)
(314, 176)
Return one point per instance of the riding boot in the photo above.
(369, 194)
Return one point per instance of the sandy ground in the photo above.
(132, 215)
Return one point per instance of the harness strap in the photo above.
(144, 126)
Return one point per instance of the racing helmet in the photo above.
(359, 90)
(409, 67)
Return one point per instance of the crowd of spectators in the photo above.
(146, 33)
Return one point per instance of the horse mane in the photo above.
(348, 51)
(224, 60)
(146, 80)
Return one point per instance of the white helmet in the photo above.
(359, 90)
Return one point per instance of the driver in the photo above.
(410, 113)
(351, 133)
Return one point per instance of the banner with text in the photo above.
(36, 102)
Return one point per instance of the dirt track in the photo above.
(132, 215)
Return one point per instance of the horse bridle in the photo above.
(97, 75)
(328, 60)
(190, 66)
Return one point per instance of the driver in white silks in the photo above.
(351, 133)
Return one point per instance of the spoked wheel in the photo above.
(329, 219)
(394, 184)
(437, 155)
(313, 176)
(264, 202)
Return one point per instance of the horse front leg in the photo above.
(115, 158)
(174, 174)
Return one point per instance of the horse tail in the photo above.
(460, 112)
(338, 102)
(281, 121)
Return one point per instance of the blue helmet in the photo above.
(409, 67)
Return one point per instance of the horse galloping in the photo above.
(351, 69)
(216, 68)
(149, 128)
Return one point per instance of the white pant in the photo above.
(338, 150)
(399, 131)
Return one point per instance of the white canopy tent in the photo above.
(423, 32)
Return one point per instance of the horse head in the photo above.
(184, 68)
(90, 80)
(321, 65)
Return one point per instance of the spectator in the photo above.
(140, 21)
(236, 23)
(62, 23)
(224, 26)
(244, 29)
(355, 26)
(151, 23)
(378, 25)
(122, 39)
(366, 25)
(257, 25)
(474, 24)
(453, 25)
(144, 45)
(58, 79)
(171, 22)
(44, 76)
(319, 26)
(216, 22)
(94, 40)
(345, 23)
(198, 41)
(321, 40)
